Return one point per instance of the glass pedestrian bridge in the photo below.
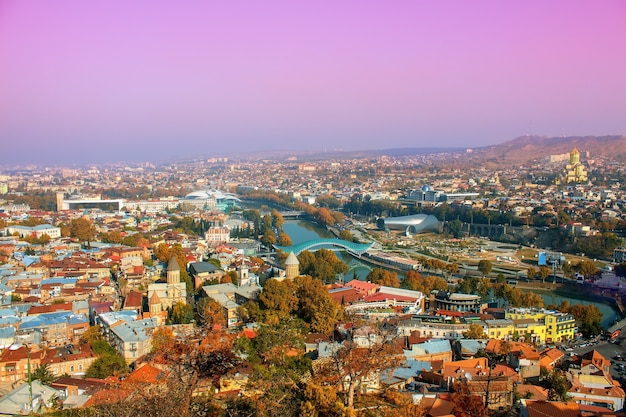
(357, 249)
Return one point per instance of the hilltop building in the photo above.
(575, 171)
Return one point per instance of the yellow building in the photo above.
(530, 330)
(502, 329)
(559, 327)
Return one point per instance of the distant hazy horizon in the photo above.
(112, 81)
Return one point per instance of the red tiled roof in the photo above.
(347, 295)
(108, 396)
(362, 286)
(552, 409)
(134, 299)
(146, 374)
(49, 308)
(379, 296)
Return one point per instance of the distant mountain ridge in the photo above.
(538, 148)
(520, 150)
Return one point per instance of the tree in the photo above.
(163, 339)
(279, 296)
(83, 229)
(273, 344)
(531, 273)
(413, 281)
(181, 313)
(465, 403)
(266, 223)
(455, 226)
(588, 318)
(327, 200)
(315, 305)
(113, 236)
(557, 385)
(107, 365)
(586, 268)
(475, 331)
(532, 299)
(322, 264)
(346, 235)
(321, 401)
(210, 312)
(485, 266)
(269, 238)
(187, 362)
(620, 269)
(452, 268)
(91, 335)
(325, 217)
(284, 240)
(544, 272)
(383, 277)
(277, 219)
(43, 374)
(351, 365)
(483, 287)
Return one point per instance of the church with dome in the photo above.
(163, 295)
(575, 171)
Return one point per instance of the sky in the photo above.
(153, 80)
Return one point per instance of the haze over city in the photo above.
(91, 82)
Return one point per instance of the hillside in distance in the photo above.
(527, 149)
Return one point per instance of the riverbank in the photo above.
(577, 291)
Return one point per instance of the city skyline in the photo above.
(134, 81)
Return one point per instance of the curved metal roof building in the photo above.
(217, 194)
(416, 223)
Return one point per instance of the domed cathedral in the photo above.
(162, 295)
(575, 171)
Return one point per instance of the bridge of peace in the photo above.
(356, 249)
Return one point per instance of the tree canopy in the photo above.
(83, 229)
(322, 264)
(383, 277)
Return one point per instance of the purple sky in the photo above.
(129, 80)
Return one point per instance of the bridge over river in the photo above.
(356, 249)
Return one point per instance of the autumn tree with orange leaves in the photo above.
(352, 365)
(466, 404)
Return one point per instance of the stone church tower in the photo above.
(243, 272)
(292, 266)
(154, 304)
(173, 271)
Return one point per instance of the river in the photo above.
(301, 231)
(609, 315)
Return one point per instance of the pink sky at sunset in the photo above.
(107, 81)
